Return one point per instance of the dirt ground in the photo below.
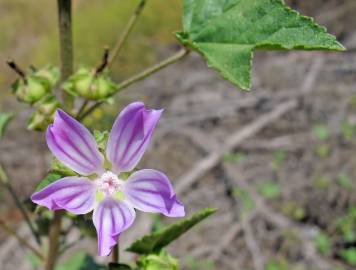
(278, 162)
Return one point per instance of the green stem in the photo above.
(23, 241)
(136, 78)
(66, 45)
(6, 183)
(53, 247)
(123, 37)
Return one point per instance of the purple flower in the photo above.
(100, 187)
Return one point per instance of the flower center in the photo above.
(109, 183)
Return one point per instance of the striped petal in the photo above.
(111, 217)
(74, 194)
(73, 145)
(151, 191)
(130, 136)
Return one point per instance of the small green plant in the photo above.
(321, 132)
(323, 243)
(269, 189)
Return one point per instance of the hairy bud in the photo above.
(87, 84)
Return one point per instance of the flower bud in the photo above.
(158, 262)
(36, 85)
(89, 85)
(44, 114)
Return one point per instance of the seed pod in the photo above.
(36, 85)
(87, 84)
(44, 114)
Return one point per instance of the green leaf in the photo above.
(119, 266)
(226, 32)
(80, 261)
(349, 255)
(321, 132)
(323, 243)
(154, 242)
(49, 179)
(5, 119)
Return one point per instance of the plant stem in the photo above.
(5, 181)
(54, 234)
(21, 240)
(66, 45)
(82, 108)
(140, 76)
(116, 253)
(123, 37)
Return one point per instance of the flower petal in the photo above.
(73, 145)
(130, 136)
(151, 191)
(74, 194)
(111, 217)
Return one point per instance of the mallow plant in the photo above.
(92, 186)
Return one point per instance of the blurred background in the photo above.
(285, 187)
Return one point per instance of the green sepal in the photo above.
(5, 119)
(158, 262)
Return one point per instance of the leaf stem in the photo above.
(123, 37)
(6, 183)
(140, 76)
(23, 241)
(66, 45)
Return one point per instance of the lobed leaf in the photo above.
(226, 32)
(154, 242)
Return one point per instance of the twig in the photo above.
(6, 183)
(136, 78)
(209, 162)
(82, 108)
(104, 62)
(123, 37)
(11, 63)
(201, 167)
(66, 45)
(23, 241)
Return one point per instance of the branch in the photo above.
(23, 241)
(123, 37)
(11, 63)
(104, 62)
(5, 181)
(136, 78)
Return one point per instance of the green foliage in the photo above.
(49, 179)
(80, 261)
(60, 168)
(348, 130)
(345, 182)
(5, 119)
(322, 150)
(269, 189)
(293, 210)
(321, 132)
(323, 243)
(156, 241)
(226, 32)
(158, 262)
(235, 157)
(247, 203)
(278, 158)
(195, 264)
(280, 264)
(349, 255)
(101, 137)
(346, 225)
